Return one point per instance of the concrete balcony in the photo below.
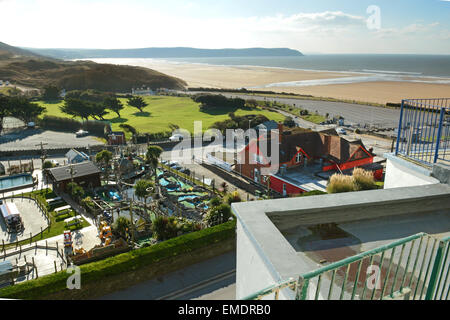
(279, 240)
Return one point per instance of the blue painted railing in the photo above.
(424, 130)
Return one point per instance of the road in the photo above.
(211, 279)
(353, 113)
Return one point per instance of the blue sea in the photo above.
(365, 67)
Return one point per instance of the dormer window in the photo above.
(298, 158)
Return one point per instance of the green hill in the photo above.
(25, 68)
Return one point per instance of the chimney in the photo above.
(280, 132)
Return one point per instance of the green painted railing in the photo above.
(415, 267)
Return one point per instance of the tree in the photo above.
(76, 108)
(137, 102)
(152, 157)
(51, 93)
(113, 104)
(23, 109)
(97, 110)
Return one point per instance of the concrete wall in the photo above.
(252, 272)
(401, 173)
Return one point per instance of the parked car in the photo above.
(81, 133)
(173, 164)
(176, 137)
(186, 171)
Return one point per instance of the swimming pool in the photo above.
(16, 182)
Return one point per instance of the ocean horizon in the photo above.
(433, 69)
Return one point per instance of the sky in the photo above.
(310, 26)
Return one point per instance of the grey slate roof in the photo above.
(79, 170)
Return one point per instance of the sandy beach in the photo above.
(379, 92)
(203, 75)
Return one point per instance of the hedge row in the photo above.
(94, 127)
(125, 262)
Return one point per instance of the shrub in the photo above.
(165, 228)
(340, 183)
(75, 191)
(218, 214)
(363, 179)
(121, 227)
(311, 193)
(87, 204)
(214, 202)
(233, 197)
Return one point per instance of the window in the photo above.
(298, 158)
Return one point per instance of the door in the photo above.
(256, 175)
(284, 189)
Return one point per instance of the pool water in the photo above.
(182, 198)
(15, 181)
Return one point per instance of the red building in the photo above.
(306, 160)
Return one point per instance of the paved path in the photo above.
(34, 220)
(191, 282)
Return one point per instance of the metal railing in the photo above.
(415, 268)
(424, 130)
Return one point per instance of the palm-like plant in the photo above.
(104, 157)
(142, 189)
(152, 156)
(121, 226)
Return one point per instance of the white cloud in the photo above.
(114, 24)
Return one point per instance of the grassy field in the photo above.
(163, 111)
(315, 118)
